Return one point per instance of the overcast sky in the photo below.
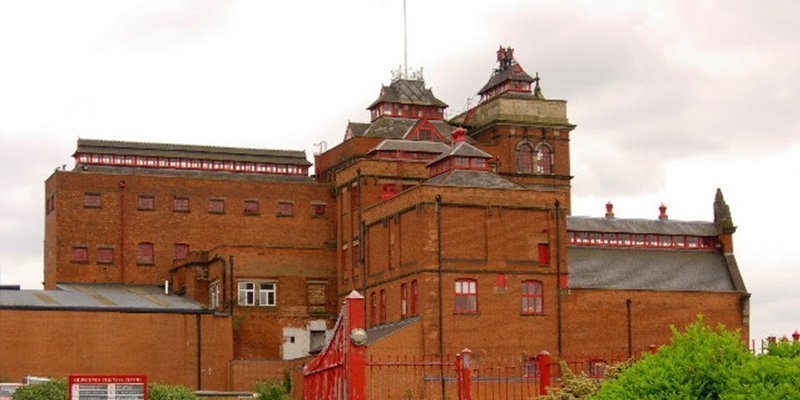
(672, 99)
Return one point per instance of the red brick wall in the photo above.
(247, 372)
(161, 346)
(164, 227)
(596, 320)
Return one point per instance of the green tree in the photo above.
(268, 390)
(53, 390)
(706, 363)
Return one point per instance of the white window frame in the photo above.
(244, 291)
(263, 294)
(214, 294)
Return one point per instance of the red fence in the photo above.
(338, 372)
(341, 371)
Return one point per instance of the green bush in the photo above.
(705, 363)
(157, 391)
(53, 390)
(268, 390)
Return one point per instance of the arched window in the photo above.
(532, 297)
(524, 158)
(544, 159)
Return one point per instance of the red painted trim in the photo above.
(190, 164)
(612, 239)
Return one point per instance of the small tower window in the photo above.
(524, 158)
(544, 159)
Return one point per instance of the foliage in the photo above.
(784, 349)
(157, 391)
(573, 387)
(706, 363)
(268, 390)
(53, 390)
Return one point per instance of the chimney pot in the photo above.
(458, 135)
(609, 210)
(796, 335)
(662, 212)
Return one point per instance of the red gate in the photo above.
(338, 372)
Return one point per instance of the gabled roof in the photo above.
(514, 72)
(390, 127)
(357, 128)
(639, 269)
(471, 178)
(100, 297)
(668, 227)
(462, 149)
(92, 146)
(420, 146)
(407, 91)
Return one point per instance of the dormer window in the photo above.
(387, 109)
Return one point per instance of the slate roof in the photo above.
(470, 178)
(419, 146)
(668, 227)
(200, 174)
(379, 332)
(390, 127)
(407, 91)
(463, 149)
(100, 297)
(506, 74)
(446, 130)
(357, 128)
(649, 269)
(91, 146)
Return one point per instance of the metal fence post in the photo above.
(466, 373)
(544, 372)
(355, 364)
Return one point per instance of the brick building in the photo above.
(454, 230)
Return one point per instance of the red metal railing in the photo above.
(338, 372)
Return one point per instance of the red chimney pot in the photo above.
(458, 135)
(609, 210)
(663, 212)
(796, 335)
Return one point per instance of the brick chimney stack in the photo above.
(662, 212)
(609, 210)
(458, 135)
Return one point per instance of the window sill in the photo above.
(181, 211)
(476, 313)
(251, 214)
(145, 209)
(78, 262)
(532, 314)
(317, 216)
(217, 212)
(92, 206)
(284, 215)
(105, 263)
(146, 264)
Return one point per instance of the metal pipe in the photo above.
(630, 328)
(438, 211)
(199, 352)
(558, 272)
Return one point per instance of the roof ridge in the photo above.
(100, 142)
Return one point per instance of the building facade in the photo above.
(455, 230)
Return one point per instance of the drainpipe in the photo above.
(122, 187)
(630, 328)
(199, 352)
(360, 240)
(439, 280)
(230, 295)
(558, 272)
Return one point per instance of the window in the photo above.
(354, 197)
(247, 295)
(251, 207)
(383, 306)
(373, 308)
(531, 368)
(91, 200)
(544, 159)
(317, 296)
(146, 203)
(266, 294)
(144, 253)
(531, 297)
(180, 204)
(466, 296)
(216, 206)
(105, 255)
(79, 254)
(524, 158)
(285, 209)
(318, 210)
(544, 254)
(388, 191)
(595, 368)
(413, 305)
(462, 161)
(425, 134)
(403, 300)
(181, 250)
(214, 295)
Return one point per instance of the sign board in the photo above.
(107, 387)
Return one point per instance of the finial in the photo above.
(722, 214)
(537, 91)
(609, 210)
(662, 215)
